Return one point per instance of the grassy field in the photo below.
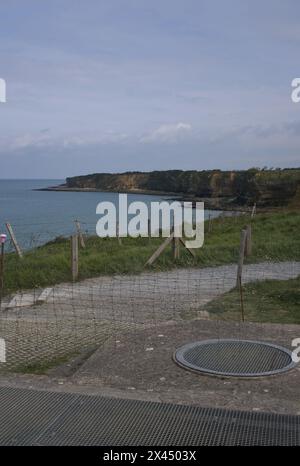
(275, 238)
(275, 301)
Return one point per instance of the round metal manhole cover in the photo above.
(234, 358)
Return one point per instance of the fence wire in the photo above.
(118, 309)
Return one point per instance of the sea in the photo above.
(41, 216)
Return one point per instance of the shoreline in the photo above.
(211, 203)
(94, 190)
(214, 203)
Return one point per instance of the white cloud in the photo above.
(44, 138)
(41, 139)
(168, 133)
(108, 137)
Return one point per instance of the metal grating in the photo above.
(31, 417)
(235, 358)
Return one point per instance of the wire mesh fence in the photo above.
(118, 308)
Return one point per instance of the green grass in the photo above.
(275, 237)
(274, 301)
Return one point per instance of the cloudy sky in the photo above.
(115, 85)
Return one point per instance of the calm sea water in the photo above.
(39, 216)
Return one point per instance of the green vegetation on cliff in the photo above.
(268, 188)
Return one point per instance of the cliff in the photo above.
(268, 188)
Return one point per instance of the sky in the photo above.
(125, 85)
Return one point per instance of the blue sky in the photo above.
(119, 85)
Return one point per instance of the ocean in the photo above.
(40, 216)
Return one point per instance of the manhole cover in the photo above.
(235, 358)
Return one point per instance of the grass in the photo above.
(44, 366)
(274, 301)
(275, 238)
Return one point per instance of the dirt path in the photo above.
(168, 291)
(150, 295)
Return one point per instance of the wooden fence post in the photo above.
(2, 241)
(175, 244)
(248, 247)
(209, 223)
(241, 258)
(14, 240)
(118, 234)
(74, 257)
(149, 229)
(79, 232)
(160, 249)
(191, 251)
(253, 210)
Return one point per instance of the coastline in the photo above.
(210, 203)
(64, 187)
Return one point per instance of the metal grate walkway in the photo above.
(30, 417)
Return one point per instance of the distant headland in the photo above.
(268, 188)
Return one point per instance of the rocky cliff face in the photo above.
(268, 188)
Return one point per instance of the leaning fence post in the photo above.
(79, 232)
(241, 258)
(14, 240)
(74, 257)
(248, 247)
(160, 249)
(253, 210)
